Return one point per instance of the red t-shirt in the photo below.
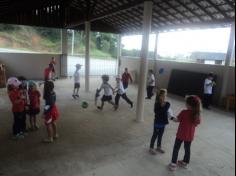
(47, 74)
(34, 97)
(126, 77)
(186, 129)
(18, 104)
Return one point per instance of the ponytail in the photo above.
(195, 103)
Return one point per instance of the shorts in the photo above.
(51, 116)
(106, 98)
(77, 85)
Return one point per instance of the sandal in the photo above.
(48, 141)
(172, 167)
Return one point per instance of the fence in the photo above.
(98, 65)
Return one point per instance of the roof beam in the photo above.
(109, 12)
(195, 2)
(231, 4)
(190, 10)
(218, 9)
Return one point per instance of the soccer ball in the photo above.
(84, 105)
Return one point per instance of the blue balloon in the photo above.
(161, 71)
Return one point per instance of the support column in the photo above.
(87, 55)
(147, 23)
(227, 62)
(155, 58)
(73, 42)
(119, 50)
(64, 57)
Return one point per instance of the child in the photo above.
(162, 113)
(51, 114)
(108, 91)
(150, 84)
(121, 93)
(189, 119)
(53, 63)
(77, 81)
(126, 77)
(34, 105)
(18, 107)
(208, 90)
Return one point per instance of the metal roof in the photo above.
(117, 16)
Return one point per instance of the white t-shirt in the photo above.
(208, 86)
(107, 89)
(120, 87)
(77, 77)
(151, 80)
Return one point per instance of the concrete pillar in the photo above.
(64, 59)
(119, 50)
(227, 62)
(87, 55)
(156, 72)
(147, 23)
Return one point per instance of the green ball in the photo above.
(84, 105)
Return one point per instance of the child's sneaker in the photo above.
(152, 151)
(48, 140)
(36, 127)
(183, 164)
(160, 150)
(172, 167)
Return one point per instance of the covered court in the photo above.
(108, 143)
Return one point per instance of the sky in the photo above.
(183, 42)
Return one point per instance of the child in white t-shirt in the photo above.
(208, 90)
(108, 92)
(77, 82)
(150, 84)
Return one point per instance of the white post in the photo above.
(73, 42)
(64, 60)
(227, 62)
(87, 55)
(119, 50)
(156, 57)
(147, 23)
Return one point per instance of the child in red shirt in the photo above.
(18, 107)
(34, 107)
(189, 119)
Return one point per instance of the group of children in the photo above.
(25, 99)
(188, 120)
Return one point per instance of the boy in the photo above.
(108, 91)
(77, 81)
(121, 93)
(208, 90)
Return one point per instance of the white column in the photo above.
(156, 57)
(64, 59)
(228, 61)
(87, 55)
(119, 50)
(147, 23)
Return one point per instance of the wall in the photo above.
(30, 66)
(163, 80)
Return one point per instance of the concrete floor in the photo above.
(108, 143)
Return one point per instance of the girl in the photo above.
(34, 107)
(51, 114)
(77, 81)
(18, 107)
(162, 112)
(189, 119)
(108, 91)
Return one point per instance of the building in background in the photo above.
(209, 57)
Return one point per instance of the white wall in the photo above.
(30, 66)
(163, 80)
